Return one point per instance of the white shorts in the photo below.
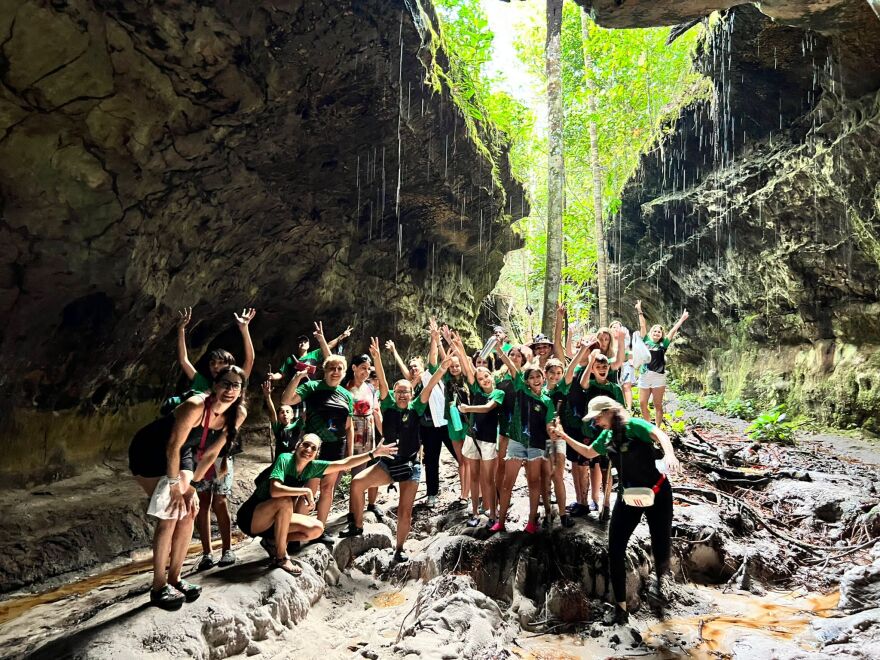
(651, 379)
(478, 450)
(557, 446)
(627, 373)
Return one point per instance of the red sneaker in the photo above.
(531, 528)
(497, 527)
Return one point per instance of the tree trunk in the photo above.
(598, 225)
(556, 169)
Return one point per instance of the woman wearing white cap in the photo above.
(642, 488)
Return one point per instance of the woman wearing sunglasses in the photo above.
(165, 457)
(278, 509)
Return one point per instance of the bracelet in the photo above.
(370, 454)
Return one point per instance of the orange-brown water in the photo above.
(388, 599)
(16, 606)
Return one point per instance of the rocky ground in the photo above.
(774, 556)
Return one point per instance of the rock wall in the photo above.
(760, 213)
(301, 157)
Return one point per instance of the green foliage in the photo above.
(773, 426)
(344, 484)
(714, 402)
(742, 408)
(677, 422)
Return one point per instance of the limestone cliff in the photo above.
(302, 157)
(760, 213)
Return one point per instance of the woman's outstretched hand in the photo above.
(383, 449)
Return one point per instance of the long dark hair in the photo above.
(618, 426)
(349, 373)
(231, 413)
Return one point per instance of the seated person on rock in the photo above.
(400, 425)
(166, 457)
(642, 489)
(278, 509)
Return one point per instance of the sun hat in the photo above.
(598, 405)
(540, 340)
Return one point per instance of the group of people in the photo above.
(498, 410)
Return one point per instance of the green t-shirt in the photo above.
(327, 409)
(201, 383)
(531, 414)
(312, 357)
(402, 426)
(607, 388)
(636, 429)
(284, 470)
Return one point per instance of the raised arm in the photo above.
(289, 397)
(433, 350)
(243, 322)
(575, 361)
(677, 326)
(558, 347)
(505, 358)
(322, 342)
(213, 451)
(467, 364)
(267, 396)
(620, 358)
(643, 326)
(333, 343)
(436, 377)
(588, 370)
(184, 317)
(404, 370)
(380, 369)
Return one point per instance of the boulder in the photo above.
(375, 536)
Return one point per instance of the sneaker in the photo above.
(351, 531)
(572, 506)
(328, 540)
(546, 522)
(474, 521)
(616, 617)
(497, 526)
(431, 501)
(167, 598)
(400, 557)
(376, 511)
(189, 590)
(594, 506)
(206, 562)
(227, 559)
(531, 528)
(566, 520)
(578, 510)
(268, 544)
(658, 589)
(490, 523)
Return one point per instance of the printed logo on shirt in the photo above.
(404, 417)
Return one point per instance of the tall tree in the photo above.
(556, 164)
(595, 166)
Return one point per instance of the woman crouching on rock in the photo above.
(278, 509)
(400, 426)
(629, 442)
(169, 454)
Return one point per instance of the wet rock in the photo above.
(860, 587)
(567, 602)
(453, 620)
(375, 536)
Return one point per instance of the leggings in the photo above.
(433, 438)
(624, 520)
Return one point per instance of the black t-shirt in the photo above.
(402, 427)
(484, 426)
(327, 409)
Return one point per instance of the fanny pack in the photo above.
(641, 496)
(400, 471)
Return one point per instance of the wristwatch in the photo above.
(370, 454)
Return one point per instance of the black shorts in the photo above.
(245, 517)
(601, 461)
(332, 451)
(574, 457)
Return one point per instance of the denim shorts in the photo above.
(218, 486)
(415, 476)
(518, 451)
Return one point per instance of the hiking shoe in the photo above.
(400, 557)
(497, 526)
(268, 544)
(594, 506)
(227, 559)
(572, 506)
(578, 510)
(376, 511)
(206, 562)
(189, 590)
(531, 528)
(351, 531)
(566, 520)
(167, 598)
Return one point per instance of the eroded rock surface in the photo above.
(303, 158)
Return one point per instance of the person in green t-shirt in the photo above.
(278, 508)
(652, 376)
(529, 430)
(629, 443)
(400, 427)
(213, 492)
(304, 357)
(329, 409)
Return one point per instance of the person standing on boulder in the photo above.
(166, 457)
(367, 419)
(642, 489)
(278, 509)
(217, 486)
(329, 408)
(400, 427)
(652, 376)
(520, 355)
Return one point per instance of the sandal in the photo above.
(286, 565)
(189, 590)
(167, 598)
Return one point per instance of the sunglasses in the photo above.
(308, 446)
(230, 385)
(336, 367)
